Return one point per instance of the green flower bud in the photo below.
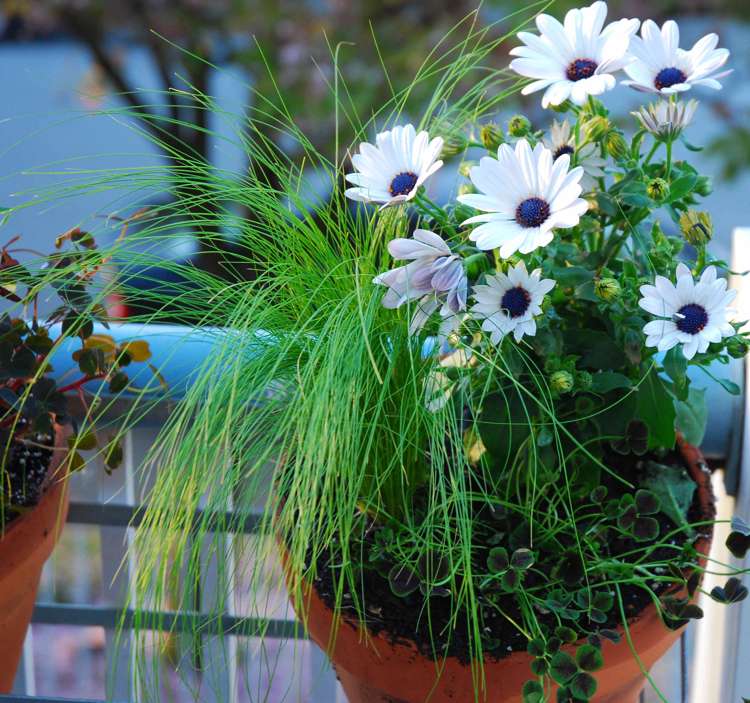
(597, 127)
(657, 189)
(616, 146)
(584, 380)
(466, 189)
(696, 227)
(607, 289)
(737, 347)
(704, 186)
(465, 168)
(453, 144)
(491, 136)
(476, 264)
(561, 381)
(518, 126)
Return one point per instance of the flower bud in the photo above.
(466, 189)
(584, 380)
(561, 381)
(607, 289)
(696, 227)
(453, 144)
(617, 147)
(597, 127)
(491, 136)
(518, 126)
(704, 186)
(465, 167)
(657, 189)
(737, 348)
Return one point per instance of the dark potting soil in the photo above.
(424, 622)
(25, 473)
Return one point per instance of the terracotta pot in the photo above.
(25, 545)
(374, 670)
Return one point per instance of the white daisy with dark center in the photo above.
(562, 141)
(696, 312)
(392, 170)
(575, 59)
(435, 278)
(525, 195)
(509, 302)
(660, 66)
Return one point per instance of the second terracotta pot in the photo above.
(24, 547)
(372, 669)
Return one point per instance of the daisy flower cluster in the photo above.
(579, 242)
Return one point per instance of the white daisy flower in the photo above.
(392, 171)
(435, 277)
(660, 66)
(562, 141)
(509, 302)
(575, 59)
(525, 195)
(697, 312)
(666, 120)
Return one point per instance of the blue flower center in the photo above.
(515, 301)
(532, 212)
(691, 318)
(403, 183)
(564, 149)
(668, 77)
(580, 69)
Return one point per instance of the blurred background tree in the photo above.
(284, 48)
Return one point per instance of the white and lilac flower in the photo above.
(696, 312)
(666, 120)
(435, 278)
(392, 170)
(575, 59)
(525, 195)
(509, 302)
(661, 66)
(562, 141)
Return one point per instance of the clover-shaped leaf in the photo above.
(583, 686)
(648, 503)
(498, 560)
(403, 581)
(589, 658)
(563, 667)
(738, 541)
(532, 692)
(646, 529)
(522, 559)
(732, 592)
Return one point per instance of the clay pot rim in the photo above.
(50, 485)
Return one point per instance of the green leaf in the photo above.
(692, 416)
(646, 502)
(522, 559)
(563, 667)
(680, 187)
(497, 560)
(675, 365)
(532, 692)
(402, 580)
(655, 408)
(674, 489)
(569, 276)
(605, 381)
(583, 686)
